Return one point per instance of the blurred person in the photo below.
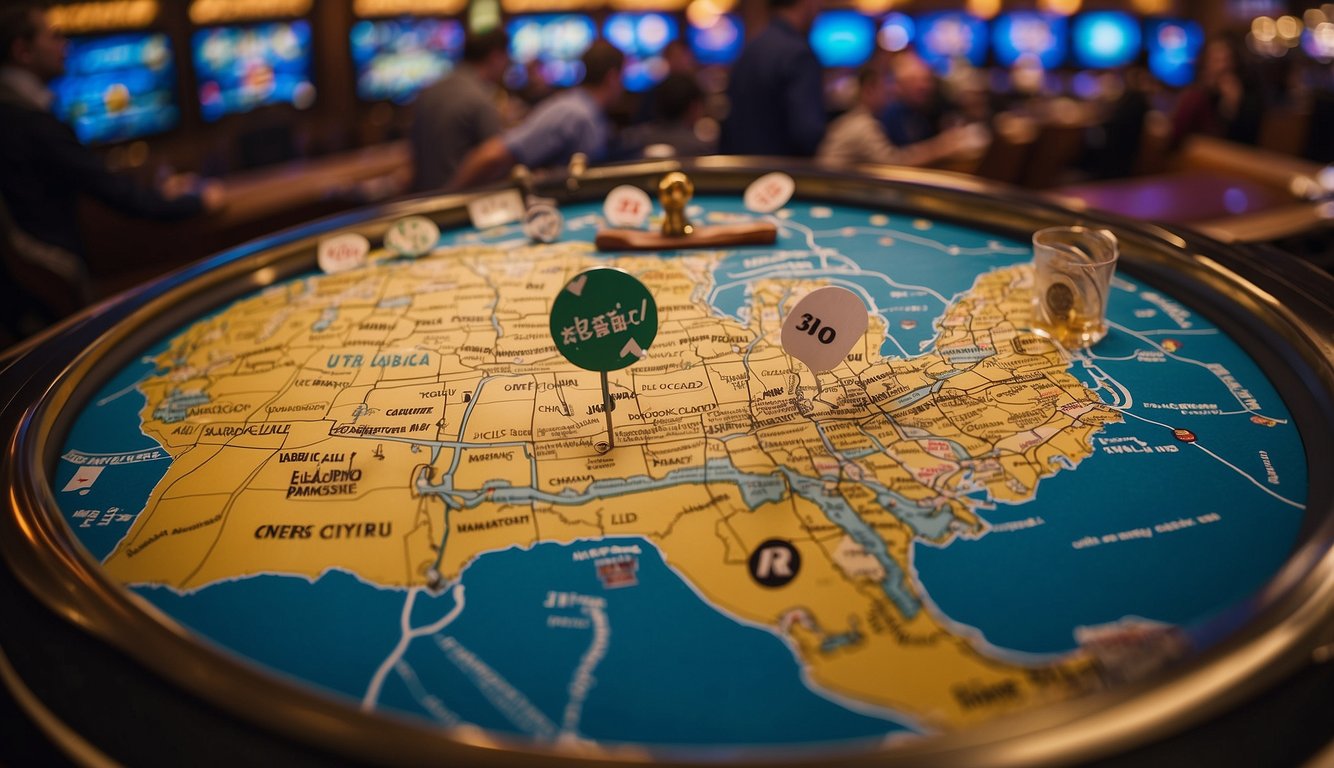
(678, 109)
(776, 89)
(858, 137)
(918, 108)
(458, 112)
(44, 168)
(1224, 101)
(568, 122)
(679, 60)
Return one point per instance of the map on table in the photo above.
(382, 482)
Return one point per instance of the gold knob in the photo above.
(674, 192)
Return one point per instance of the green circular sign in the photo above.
(604, 320)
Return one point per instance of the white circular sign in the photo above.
(412, 236)
(769, 192)
(824, 326)
(342, 252)
(543, 223)
(627, 206)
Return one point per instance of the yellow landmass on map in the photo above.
(399, 421)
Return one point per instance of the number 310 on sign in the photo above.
(824, 326)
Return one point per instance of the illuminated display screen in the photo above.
(1173, 45)
(396, 58)
(641, 37)
(843, 38)
(949, 35)
(1042, 36)
(1102, 39)
(719, 42)
(555, 40)
(241, 68)
(118, 87)
(897, 31)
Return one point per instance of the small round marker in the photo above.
(543, 223)
(604, 320)
(769, 192)
(342, 252)
(627, 206)
(412, 236)
(824, 326)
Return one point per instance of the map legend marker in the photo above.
(604, 320)
(412, 236)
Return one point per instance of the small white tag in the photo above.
(412, 236)
(627, 206)
(494, 210)
(824, 326)
(543, 223)
(769, 192)
(343, 252)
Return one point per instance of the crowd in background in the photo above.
(778, 101)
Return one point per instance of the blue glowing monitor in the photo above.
(945, 36)
(240, 68)
(1173, 45)
(1038, 36)
(1105, 39)
(843, 38)
(719, 42)
(556, 41)
(641, 37)
(897, 31)
(118, 87)
(396, 58)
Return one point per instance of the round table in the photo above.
(363, 516)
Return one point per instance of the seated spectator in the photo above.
(44, 168)
(569, 122)
(674, 127)
(458, 112)
(918, 109)
(857, 136)
(1224, 101)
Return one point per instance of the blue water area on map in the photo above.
(110, 425)
(676, 671)
(333, 632)
(744, 685)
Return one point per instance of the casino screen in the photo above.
(1040, 36)
(239, 68)
(843, 38)
(118, 87)
(719, 41)
(641, 37)
(1173, 45)
(896, 32)
(396, 58)
(1105, 39)
(946, 36)
(556, 41)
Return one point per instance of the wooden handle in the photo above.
(750, 233)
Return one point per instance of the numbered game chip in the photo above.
(412, 236)
(627, 206)
(342, 252)
(769, 192)
(543, 223)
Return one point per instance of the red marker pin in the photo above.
(627, 207)
(342, 252)
(769, 192)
